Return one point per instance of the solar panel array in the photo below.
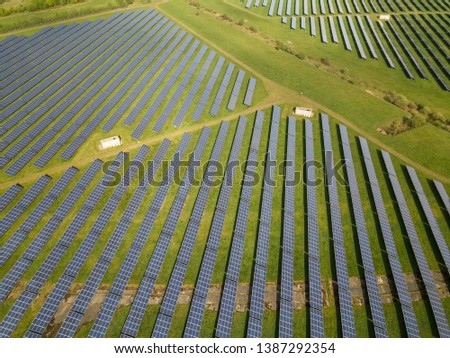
(236, 89)
(19, 267)
(432, 222)
(369, 44)
(76, 263)
(285, 324)
(314, 283)
(9, 195)
(139, 305)
(237, 246)
(208, 90)
(74, 98)
(154, 35)
(158, 81)
(28, 198)
(221, 92)
(431, 25)
(409, 315)
(254, 328)
(71, 323)
(178, 92)
(370, 277)
(443, 195)
(411, 57)
(59, 90)
(312, 25)
(422, 55)
(394, 49)
(377, 38)
(160, 56)
(116, 66)
(172, 292)
(46, 312)
(194, 89)
(250, 91)
(73, 78)
(113, 297)
(198, 304)
(36, 215)
(323, 30)
(359, 47)
(345, 299)
(424, 269)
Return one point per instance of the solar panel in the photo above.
(234, 263)
(259, 278)
(9, 195)
(36, 215)
(194, 89)
(184, 254)
(16, 211)
(46, 156)
(396, 52)
(236, 89)
(159, 253)
(432, 222)
(312, 25)
(323, 30)
(345, 300)
(221, 91)
(45, 314)
(360, 48)
(347, 44)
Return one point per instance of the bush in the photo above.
(325, 61)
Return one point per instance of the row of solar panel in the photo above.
(196, 312)
(375, 303)
(314, 276)
(282, 9)
(287, 259)
(345, 300)
(254, 328)
(46, 312)
(424, 269)
(137, 310)
(74, 97)
(177, 277)
(228, 300)
(394, 261)
(399, 39)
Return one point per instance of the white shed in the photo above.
(304, 112)
(110, 142)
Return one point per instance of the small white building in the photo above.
(110, 142)
(304, 112)
(384, 17)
